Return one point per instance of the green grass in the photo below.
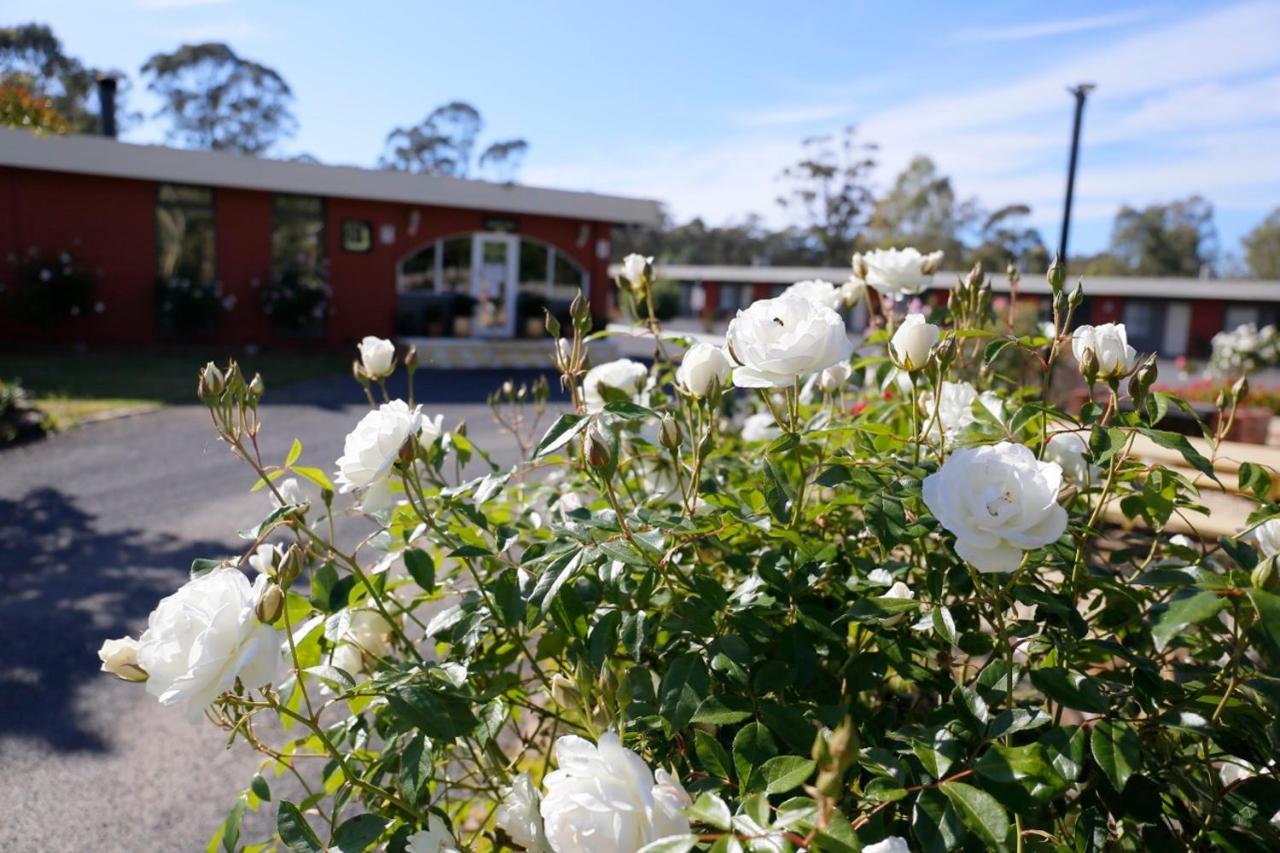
(74, 386)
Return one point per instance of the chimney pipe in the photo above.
(107, 105)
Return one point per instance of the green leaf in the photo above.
(711, 755)
(1117, 751)
(979, 810)
(561, 433)
(752, 747)
(421, 568)
(315, 475)
(1268, 606)
(1252, 477)
(711, 810)
(994, 349)
(683, 688)
(1182, 611)
(358, 833)
(260, 787)
(671, 844)
(231, 826)
(1175, 441)
(438, 714)
(722, 711)
(785, 772)
(295, 450)
(934, 822)
(201, 566)
(294, 831)
(1071, 689)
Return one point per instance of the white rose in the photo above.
(998, 500)
(834, 377)
(821, 292)
(992, 404)
(622, 375)
(703, 368)
(900, 272)
(436, 838)
(1068, 450)
(606, 798)
(898, 590)
(911, 343)
(377, 356)
(265, 558)
(206, 635)
(120, 658)
(372, 447)
(432, 428)
(892, 844)
(953, 409)
(1267, 536)
(291, 493)
(633, 268)
(1110, 346)
(852, 292)
(776, 341)
(760, 427)
(518, 815)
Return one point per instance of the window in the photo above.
(455, 269)
(418, 272)
(185, 233)
(445, 267)
(297, 233)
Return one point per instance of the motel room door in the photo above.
(494, 267)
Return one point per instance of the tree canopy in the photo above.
(444, 143)
(32, 60)
(217, 100)
(1262, 247)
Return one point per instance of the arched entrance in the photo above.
(484, 284)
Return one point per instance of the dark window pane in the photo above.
(297, 234)
(418, 272)
(533, 267)
(457, 264)
(567, 280)
(185, 233)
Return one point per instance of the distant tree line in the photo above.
(828, 194)
(214, 99)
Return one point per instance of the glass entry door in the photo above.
(494, 266)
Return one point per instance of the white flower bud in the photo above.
(377, 357)
(703, 369)
(911, 343)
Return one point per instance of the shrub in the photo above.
(50, 287)
(19, 419)
(186, 306)
(297, 298)
(870, 618)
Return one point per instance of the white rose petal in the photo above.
(265, 558)
(436, 838)
(120, 658)
(821, 292)
(853, 291)
(834, 377)
(518, 815)
(1068, 450)
(291, 493)
(1110, 346)
(206, 635)
(912, 342)
(604, 797)
(760, 427)
(892, 844)
(1267, 536)
(703, 369)
(776, 341)
(372, 447)
(622, 375)
(377, 356)
(899, 272)
(999, 501)
(952, 412)
(633, 268)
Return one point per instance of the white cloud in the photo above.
(797, 115)
(1043, 29)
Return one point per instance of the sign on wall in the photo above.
(357, 235)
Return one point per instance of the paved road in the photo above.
(95, 527)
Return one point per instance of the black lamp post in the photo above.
(1081, 92)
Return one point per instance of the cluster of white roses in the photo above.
(1243, 349)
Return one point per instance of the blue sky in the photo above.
(701, 104)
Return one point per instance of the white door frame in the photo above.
(479, 284)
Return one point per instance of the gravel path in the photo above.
(97, 525)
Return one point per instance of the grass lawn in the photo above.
(75, 386)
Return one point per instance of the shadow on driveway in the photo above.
(64, 585)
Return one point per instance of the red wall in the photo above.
(1208, 316)
(110, 225)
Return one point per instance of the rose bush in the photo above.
(848, 606)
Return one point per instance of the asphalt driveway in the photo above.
(96, 526)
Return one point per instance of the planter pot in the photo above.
(534, 327)
(462, 327)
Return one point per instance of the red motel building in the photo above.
(399, 254)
